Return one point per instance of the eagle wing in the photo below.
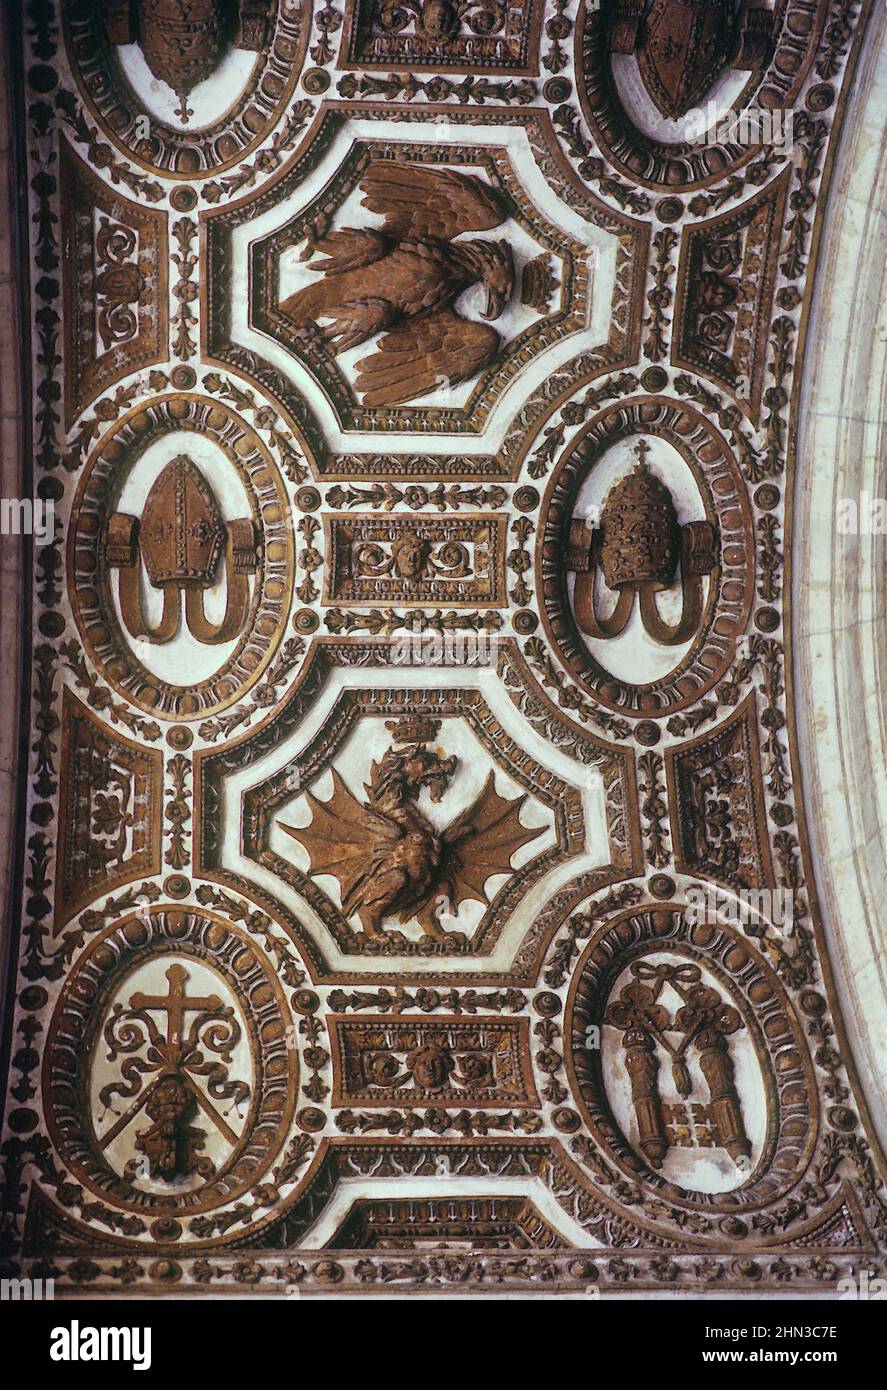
(482, 840)
(344, 836)
(421, 354)
(417, 201)
(349, 249)
(343, 292)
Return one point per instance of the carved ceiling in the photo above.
(415, 388)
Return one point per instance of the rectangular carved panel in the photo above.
(492, 35)
(423, 1061)
(110, 809)
(437, 560)
(115, 274)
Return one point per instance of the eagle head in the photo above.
(494, 268)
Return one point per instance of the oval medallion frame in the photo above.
(679, 167)
(75, 1031)
(88, 575)
(722, 490)
(183, 154)
(754, 989)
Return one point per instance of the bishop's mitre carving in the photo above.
(179, 541)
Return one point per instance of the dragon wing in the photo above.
(343, 835)
(417, 201)
(420, 354)
(491, 832)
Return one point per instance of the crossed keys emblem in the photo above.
(173, 1098)
(704, 1022)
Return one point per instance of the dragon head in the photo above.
(407, 770)
(424, 767)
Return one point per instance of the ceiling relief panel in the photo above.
(414, 263)
(644, 75)
(488, 281)
(409, 822)
(695, 1022)
(644, 556)
(171, 1038)
(186, 88)
(120, 249)
(109, 809)
(180, 602)
(495, 35)
(412, 860)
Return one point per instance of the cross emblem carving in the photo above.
(175, 1005)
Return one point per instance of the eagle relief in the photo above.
(392, 864)
(397, 284)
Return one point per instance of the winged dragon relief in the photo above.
(390, 860)
(402, 280)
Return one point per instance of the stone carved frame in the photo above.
(813, 1209)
